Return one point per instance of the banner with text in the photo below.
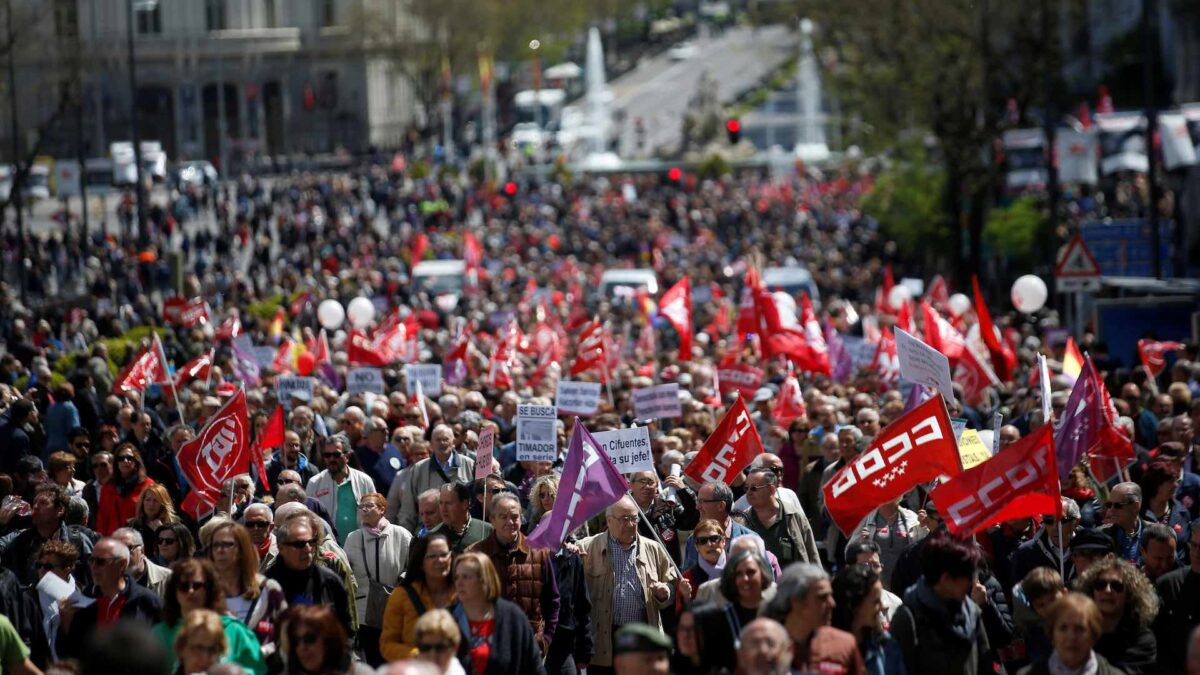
(651, 403)
(577, 398)
(364, 380)
(629, 449)
(290, 385)
(537, 433)
(430, 375)
(923, 364)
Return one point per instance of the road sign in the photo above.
(1077, 269)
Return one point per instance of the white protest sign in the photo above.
(577, 398)
(484, 458)
(265, 355)
(628, 448)
(364, 380)
(289, 385)
(537, 433)
(430, 375)
(657, 402)
(923, 364)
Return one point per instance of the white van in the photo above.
(791, 280)
(623, 283)
(439, 277)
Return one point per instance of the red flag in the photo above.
(321, 353)
(938, 293)
(1153, 354)
(229, 329)
(790, 403)
(974, 376)
(883, 295)
(730, 448)
(886, 362)
(904, 318)
(500, 371)
(361, 352)
(195, 369)
(299, 304)
(1020, 482)
(940, 335)
(1003, 357)
(419, 243)
(590, 350)
(283, 363)
(186, 313)
(272, 437)
(472, 259)
(742, 378)
(145, 369)
(748, 320)
(218, 453)
(817, 349)
(916, 448)
(676, 307)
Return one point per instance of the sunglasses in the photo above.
(256, 524)
(100, 562)
(756, 488)
(434, 647)
(308, 639)
(167, 542)
(299, 545)
(1114, 585)
(126, 459)
(1116, 505)
(223, 545)
(189, 586)
(711, 539)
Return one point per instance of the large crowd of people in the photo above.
(369, 542)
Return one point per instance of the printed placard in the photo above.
(923, 364)
(537, 433)
(629, 449)
(364, 380)
(287, 385)
(972, 450)
(484, 454)
(577, 398)
(650, 403)
(430, 375)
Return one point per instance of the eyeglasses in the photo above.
(308, 639)
(101, 465)
(368, 507)
(189, 586)
(710, 539)
(435, 647)
(256, 524)
(223, 545)
(437, 556)
(1114, 585)
(298, 545)
(1116, 505)
(125, 458)
(167, 541)
(648, 482)
(214, 650)
(628, 520)
(99, 562)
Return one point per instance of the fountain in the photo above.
(810, 136)
(598, 99)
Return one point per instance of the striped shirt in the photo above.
(629, 599)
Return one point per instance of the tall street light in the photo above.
(133, 7)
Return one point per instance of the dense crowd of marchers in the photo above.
(265, 483)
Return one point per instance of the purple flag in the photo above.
(839, 357)
(1080, 421)
(594, 484)
(915, 398)
(245, 365)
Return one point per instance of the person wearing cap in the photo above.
(1088, 546)
(639, 649)
(1045, 549)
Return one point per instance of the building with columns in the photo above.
(216, 79)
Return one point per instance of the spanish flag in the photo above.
(276, 329)
(1072, 360)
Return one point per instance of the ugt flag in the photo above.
(218, 453)
(593, 483)
(730, 448)
(1021, 481)
(916, 448)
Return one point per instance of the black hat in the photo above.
(1092, 539)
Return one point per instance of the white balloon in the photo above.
(958, 304)
(1029, 293)
(899, 295)
(331, 314)
(361, 312)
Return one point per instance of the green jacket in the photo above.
(244, 649)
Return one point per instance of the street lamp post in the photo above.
(136, 6)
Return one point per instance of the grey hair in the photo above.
(671, 457)
(1134, 490)
(373, 424)
(257, 507)
(448, 399)
(355, 412)
(728, 578)
(119, 548)
(766, 472)
(134, 535)
(431, 492)
(853, 431)
(77, 511)
(625, 499)
(283, 528)
(292, 493)
(760, 545)
(794, 584)
(503, 497)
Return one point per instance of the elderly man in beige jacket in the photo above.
(629, 577)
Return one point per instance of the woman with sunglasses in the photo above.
(497, 635)
(541, 499)
(317, 644)
(426, 586)
(437, 641)
(710, 547)
(255, 600)
(1128, 605)
(378, 552)
(194, 585)
(174, 543)
(119, 497)
(154, 509)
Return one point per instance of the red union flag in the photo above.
(676, 308)
(1019, 482)
(145, 369)
(186, 313)
(197, 368)
(740, 377)
(220, 452)
(732, 446)
(916, 448)
(590, 351)
(1153, 354)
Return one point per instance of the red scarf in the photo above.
(264, 548)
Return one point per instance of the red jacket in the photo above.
(115, 509)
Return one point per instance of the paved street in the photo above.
(658, 90)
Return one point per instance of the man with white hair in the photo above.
(259, 523)
(141, 569)
(789, 497)
(444, 465)
(117, 598)
(351, 423)
(376, 457)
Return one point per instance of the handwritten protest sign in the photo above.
(651, 403)
(537, 433)
(484, 458)
(430, 375)
(972, 450)
(629, 449)
(289, 385)
(364, 380)
(577, 398)
(923, 364)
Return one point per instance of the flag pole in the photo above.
(1062, 552)
(212, 363)
(171, 380)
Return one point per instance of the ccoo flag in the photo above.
(218, 453)
(730, 448)
(594, 484)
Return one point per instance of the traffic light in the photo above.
(733, 129)
(675, 175)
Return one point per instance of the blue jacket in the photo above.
(882, 656)
(691, 556)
